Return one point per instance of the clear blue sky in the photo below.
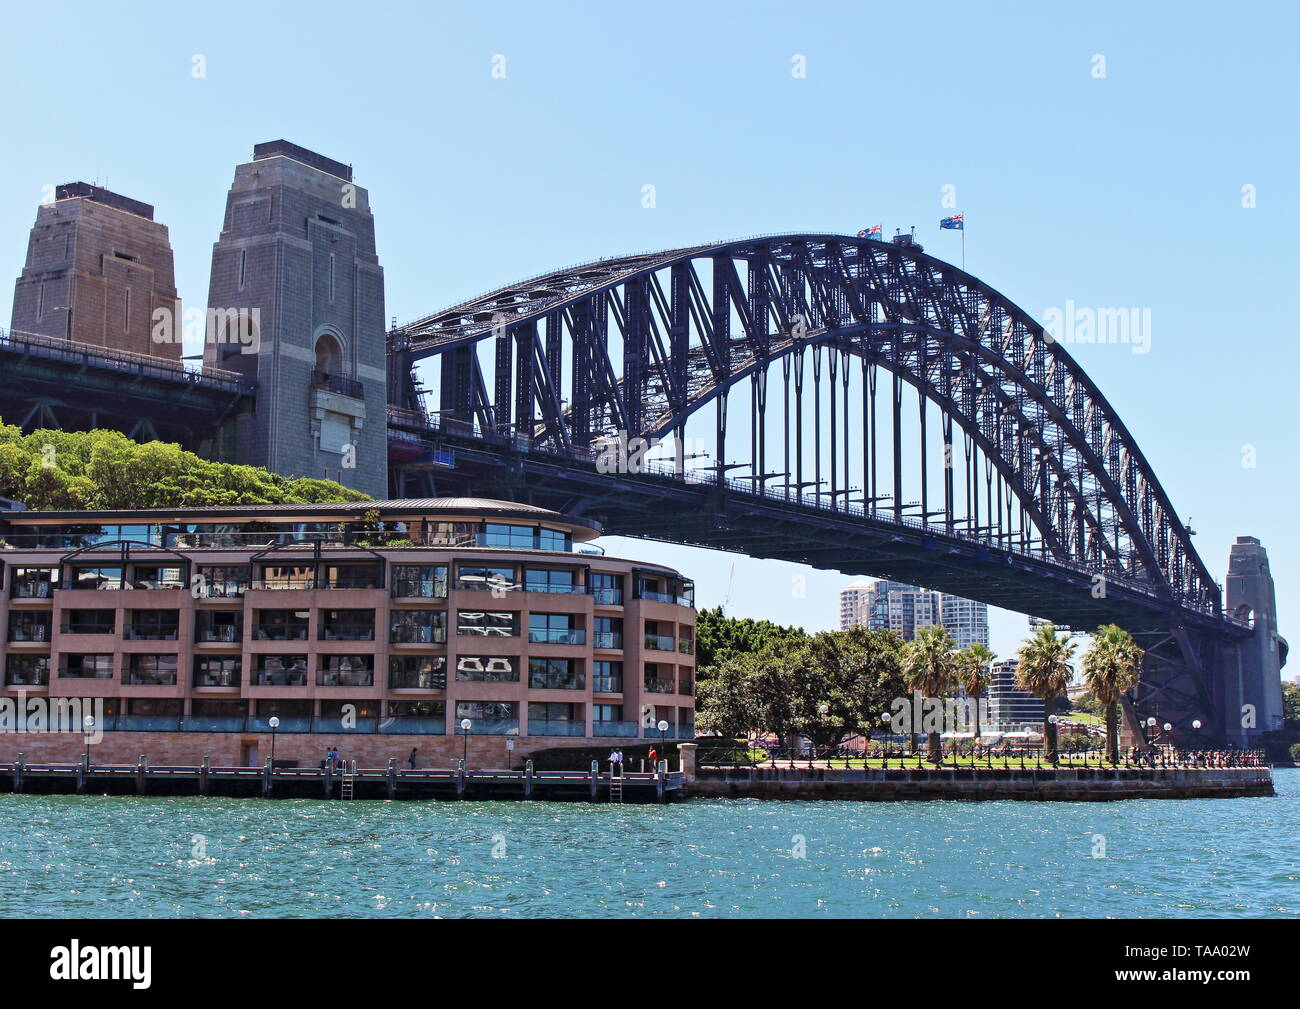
(1118, 191)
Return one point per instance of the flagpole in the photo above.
(963, 243)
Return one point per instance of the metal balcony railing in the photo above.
(337, 384)
(556, 636)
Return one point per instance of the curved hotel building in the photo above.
(375, 627)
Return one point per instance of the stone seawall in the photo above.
(1061, 785)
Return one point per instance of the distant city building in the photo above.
(853, 603)
(98, 269)
(904, 609)
(1009, 706)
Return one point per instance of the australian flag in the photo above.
(871, 232)
(955, 223)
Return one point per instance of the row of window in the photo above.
(405, 626)
(544, 717)
(404, 671)
(226, 535)
(409, 581)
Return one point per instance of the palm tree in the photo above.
(1111, 665)
(1044, 670)
(974, 674)
(928, 666)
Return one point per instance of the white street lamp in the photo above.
(465, 726)
(274, 723)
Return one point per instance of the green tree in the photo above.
(1111, 665)
(1291, 701)
(1044, 670)
(929, 665)
(726, 702)
(95, 470)
(719, 637)
(974, 674)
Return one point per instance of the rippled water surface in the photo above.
(140, 857)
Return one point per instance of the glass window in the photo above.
(451, 534)
(32, 583)
(554, 674)
(89, 621)
(100, 577)
(607, 677)
(555, 629)
(347, 625)
(420, 581)
(208, 707)
(607, 589)
(487, 668)
(280, 671)
(552, 711)
(417, 709)
(281, 625)
(153, 576)
(222, 581)
(506, 536)
(224, 626)
(353, 576)
(487, 623)
(345, 670)
(27, 670)
(417, 672)
(152, 625)
(554, 539)
(217, 670)
(286, 576)
(150, 670)
(29, 625)
(485, 711)
(551, 580)
(417, 627)
(607, 632)
(87, 667)
(496, 579)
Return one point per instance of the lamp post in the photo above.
(274, 723)
(823, 710)
(89, 723)
(1051, 722)
(663, 729)
(465, 726)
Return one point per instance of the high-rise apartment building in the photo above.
(1009, 706)
(903, 609)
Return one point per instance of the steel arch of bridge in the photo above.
(695, 323)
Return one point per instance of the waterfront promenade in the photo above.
(351, 782)
(1062, 783)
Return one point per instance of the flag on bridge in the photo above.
(871, 232)
(954, 223)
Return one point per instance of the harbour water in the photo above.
(74, 856)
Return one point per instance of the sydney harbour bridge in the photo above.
(845, 403)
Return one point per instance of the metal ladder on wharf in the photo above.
(345, 784)
(616, 785)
